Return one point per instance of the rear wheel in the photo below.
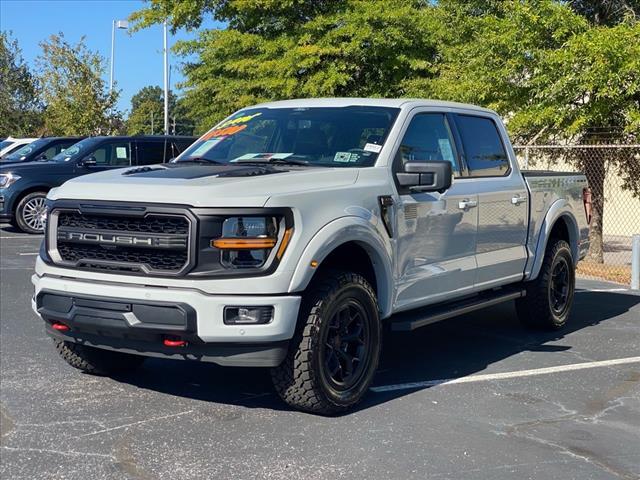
(549, 297)
(334, 354)
(97, 361)
(31, 212)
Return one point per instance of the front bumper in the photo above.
(135, 319)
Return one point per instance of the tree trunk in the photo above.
(594, 169)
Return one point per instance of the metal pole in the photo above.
(635, 263)
(166, 82)
(113, 43)
(526, 158)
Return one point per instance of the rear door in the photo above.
(502, 201)
(151, 151)
(436, 232)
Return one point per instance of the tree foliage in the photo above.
(20, 108)
(77, 102)
(147, 113)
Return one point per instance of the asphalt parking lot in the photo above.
(473, 397)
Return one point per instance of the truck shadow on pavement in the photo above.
(453, 348)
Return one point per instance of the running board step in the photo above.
(411, 320)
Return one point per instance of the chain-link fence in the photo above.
(613, 172)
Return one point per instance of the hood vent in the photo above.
(133, 171)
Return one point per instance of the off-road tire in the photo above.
(19, 217)
(302, 379)
(535, 310)
(97, 361)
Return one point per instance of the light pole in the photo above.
(166, 81)
(123, 25)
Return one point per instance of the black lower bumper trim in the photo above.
(140, 327)
(228, 354)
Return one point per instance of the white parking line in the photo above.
(507, 375)
(600, 290)
(30, 253)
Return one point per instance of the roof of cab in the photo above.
(371, 102)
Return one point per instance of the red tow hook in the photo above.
(170, 342)
(61, 327)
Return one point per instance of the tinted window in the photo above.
(428, 139)
(332, 136)
(112, 155)
(483, 148)
(150, 152)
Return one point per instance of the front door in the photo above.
(436, 232)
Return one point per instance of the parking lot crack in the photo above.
(71, 453)
(140, 422)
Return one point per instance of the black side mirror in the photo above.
(90, 161)
(432, 176)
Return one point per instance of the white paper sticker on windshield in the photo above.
(121, 152)
(372, 147)
(206, 146)
(343, 157)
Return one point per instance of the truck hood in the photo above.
(203, 185)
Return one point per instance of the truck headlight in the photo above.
(248, 242)
(8, 179)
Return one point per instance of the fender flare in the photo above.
(560, 209)
(339, 232)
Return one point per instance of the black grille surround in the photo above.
(124, 239)
(161, 249)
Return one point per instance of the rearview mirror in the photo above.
(89, 161)
(432, 176)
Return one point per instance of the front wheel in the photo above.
(31, 213)
(549, 297)
(334, 355)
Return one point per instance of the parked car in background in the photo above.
(24, 186)
(44, 148)
(10, 145)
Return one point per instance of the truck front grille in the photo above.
(150, 243)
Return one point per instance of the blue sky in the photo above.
(138, 56)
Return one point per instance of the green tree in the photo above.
(20, 108)
(77, 102)
(147, 113)
(275, 50)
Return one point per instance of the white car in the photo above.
(11, 144)
(290, 233)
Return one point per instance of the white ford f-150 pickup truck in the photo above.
(293, 232)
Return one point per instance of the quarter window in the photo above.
(483, 148)
(428, 139)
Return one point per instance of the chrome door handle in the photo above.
(466, 203)
(517, 200)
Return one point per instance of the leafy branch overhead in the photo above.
(555, 70)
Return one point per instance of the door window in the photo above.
(483, 148)
(428, 139)
(149, 152)
(113, 155)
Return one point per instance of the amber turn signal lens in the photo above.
(285, 241)
(243, 243)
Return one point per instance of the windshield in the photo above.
(5, 143)
(76, 150)
(27, 149)
(331, 137)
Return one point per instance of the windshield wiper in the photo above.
(283, 161)
(199, 160)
